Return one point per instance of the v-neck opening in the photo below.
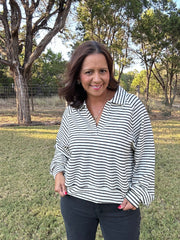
(103, 118)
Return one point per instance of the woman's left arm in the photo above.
(142, 185)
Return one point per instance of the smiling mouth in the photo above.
(96, 87)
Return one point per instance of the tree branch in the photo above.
(4, 19)
(39, 24)
(59, 24)
(3, 39)
(42, 22)
(3, 51)
(16, 17)
(158, 77)
(5, 62)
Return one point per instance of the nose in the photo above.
(96, 77)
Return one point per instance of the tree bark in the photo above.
(166, 97)
(22, 98)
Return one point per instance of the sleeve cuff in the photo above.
(56, 170)
(133, 199)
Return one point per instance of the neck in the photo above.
(97, 100)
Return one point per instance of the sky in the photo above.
(56, 45)
(178, 3)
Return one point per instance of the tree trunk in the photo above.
(148, 75)
(22, 98)
(166, 97)
(147, 89)
(174, 90)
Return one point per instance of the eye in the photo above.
(103, 71)
(88, 72)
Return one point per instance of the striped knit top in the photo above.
(113, 160)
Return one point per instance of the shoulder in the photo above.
(69, 110)
(140, 113)
(134, 101)
(122, 97)
(130, 101)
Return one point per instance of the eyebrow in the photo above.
(85, 69)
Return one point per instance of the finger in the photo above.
(123, 204)
(61, 190)
(64, 190)
(129, 206)
(126, 205)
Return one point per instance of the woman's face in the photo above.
(94, 75)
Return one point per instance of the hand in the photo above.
(126, 205)
(60, 184)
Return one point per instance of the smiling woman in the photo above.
(104, 156)
(74, 92)
(94, 77)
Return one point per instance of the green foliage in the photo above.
(140, 80)
(109, 22)
(100, 20)
(158, 34)
(48, 70)
(6, 82)
(5, 78)
(30, 208)
(126, 79)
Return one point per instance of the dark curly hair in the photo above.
(72, 91)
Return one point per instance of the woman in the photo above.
(104, 155)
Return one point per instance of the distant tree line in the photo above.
(48, 71)
(147, 29)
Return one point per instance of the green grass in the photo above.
(29, 208)
(161, 221)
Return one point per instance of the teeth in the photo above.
(96, 87)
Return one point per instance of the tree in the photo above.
(146, 33)
(47, 71)
(109, 22)
(167, 67)
(140, 81)
(158, 34)
(21, 23)
(127, 78)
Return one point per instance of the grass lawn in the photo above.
(29, 208)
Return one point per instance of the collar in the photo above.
(119, 96)
(83, 105)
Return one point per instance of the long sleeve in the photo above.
(61, 154)
(142, 186)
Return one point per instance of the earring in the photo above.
(78, 82)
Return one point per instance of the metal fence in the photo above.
(35, 90)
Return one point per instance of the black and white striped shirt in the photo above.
(111, 161)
